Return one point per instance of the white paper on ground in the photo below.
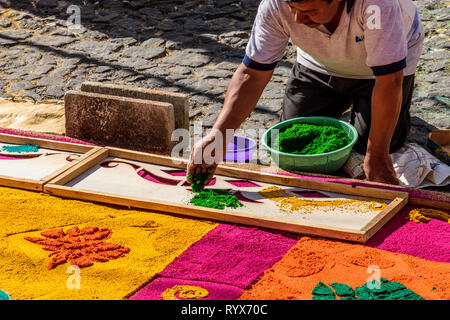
(414, 166)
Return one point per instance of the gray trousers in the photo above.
(311, 93)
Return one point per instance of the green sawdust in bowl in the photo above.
(310, 144)
(304, 138)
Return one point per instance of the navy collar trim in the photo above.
(350, 4)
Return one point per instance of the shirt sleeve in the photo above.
(268, 40)
(385, 41)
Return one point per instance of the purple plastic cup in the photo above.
(240, 149)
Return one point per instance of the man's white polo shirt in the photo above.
(374, 37)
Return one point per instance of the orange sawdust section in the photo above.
(79, 247)
(154, 241)
(290, 204)
(313, 260)
(424, 215)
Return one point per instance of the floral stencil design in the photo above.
(79, 247)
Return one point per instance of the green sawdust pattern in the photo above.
(342, 290)
(4, 295)
(322, 292)
(303, 138)
(389, 290)
(198, 182)
(20, 149)
(217, 199)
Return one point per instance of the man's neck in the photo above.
(333, 24)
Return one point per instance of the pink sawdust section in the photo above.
(216, 291)
(228, 254)
(242, 183)
(176, 173)
(430, 241)
(42, 136)
(147, 175)
(312, 194)
(15, 158)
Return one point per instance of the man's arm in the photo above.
(386, 105)
(244, 91)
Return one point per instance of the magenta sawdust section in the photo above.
(228, 256)
(231, 255)
(21, 157)
(430, 241)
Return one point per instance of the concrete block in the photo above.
(178, 100)
(119, 121)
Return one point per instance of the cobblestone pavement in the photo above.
(184, 46)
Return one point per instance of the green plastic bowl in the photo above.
(328, 162)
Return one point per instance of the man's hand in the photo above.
(379, 168)
(197, 163)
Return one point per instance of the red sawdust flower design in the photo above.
(81, 247)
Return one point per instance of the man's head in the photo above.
(313, 13)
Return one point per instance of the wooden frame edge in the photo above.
(399, 199)
(20, 183)
(61, 170)
(430, 203)
(207, 213)
(38, 185)
(387, 214)
(146, 157)
(80, 167)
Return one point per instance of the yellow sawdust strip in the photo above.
(423, 215)
(154, 241)
(185, 292)
(291, 204)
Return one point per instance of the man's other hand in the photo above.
(379, 168)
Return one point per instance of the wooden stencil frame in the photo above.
(38, 185)
(398, 199)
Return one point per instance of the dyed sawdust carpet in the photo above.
(51, 248)
(314, 260)
(153, 240)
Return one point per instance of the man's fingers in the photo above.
(394, 180)
(190, 171)
(210, 171)
(195, 169)
(188, 177)
(387, 179)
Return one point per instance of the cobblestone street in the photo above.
(183, 46)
